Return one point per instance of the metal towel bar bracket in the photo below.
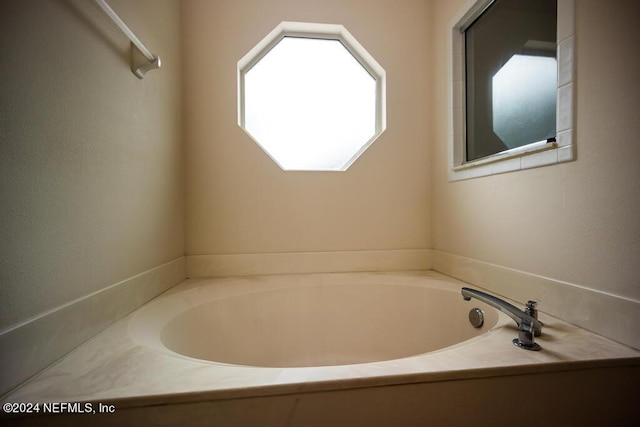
(142, 60)
(140, 64)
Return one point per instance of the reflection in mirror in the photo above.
(524, 100)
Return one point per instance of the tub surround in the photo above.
(36, 343)
(113, 367)
(609, 315)
(308, 262)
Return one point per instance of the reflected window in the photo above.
(511, 76)
(524, 100)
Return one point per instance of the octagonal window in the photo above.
(311, 97)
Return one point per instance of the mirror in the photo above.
(511, 76)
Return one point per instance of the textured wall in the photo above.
(240, 202)
(575, 222)
(91, 161)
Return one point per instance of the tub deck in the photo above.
(145, 384)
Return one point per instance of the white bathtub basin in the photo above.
(303, 325)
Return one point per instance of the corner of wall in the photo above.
(307, 262)
(31, 346)
(609, 315)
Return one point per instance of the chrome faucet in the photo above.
(527, 321)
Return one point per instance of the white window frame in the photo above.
(318, 31)
(528, 156)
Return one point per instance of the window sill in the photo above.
(527, 157)
(536, 147)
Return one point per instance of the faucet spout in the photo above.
(528, 325)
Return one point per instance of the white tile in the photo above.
(565, 61)
(539, 159)
(459, 175)
(458, 87)
(456, 42)
(458, 69)
(566, 19)
(458, 120)
(479, 171)
(456, 55)
(508, 165)
(565, 108)
(458, 145)
(564, 138)
(566, 154)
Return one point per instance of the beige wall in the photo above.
(91, 164)
(576, 222)
(240, 202)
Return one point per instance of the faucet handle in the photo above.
(526, 335)
(532, 309)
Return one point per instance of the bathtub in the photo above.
(286, 323)
(335, 349)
